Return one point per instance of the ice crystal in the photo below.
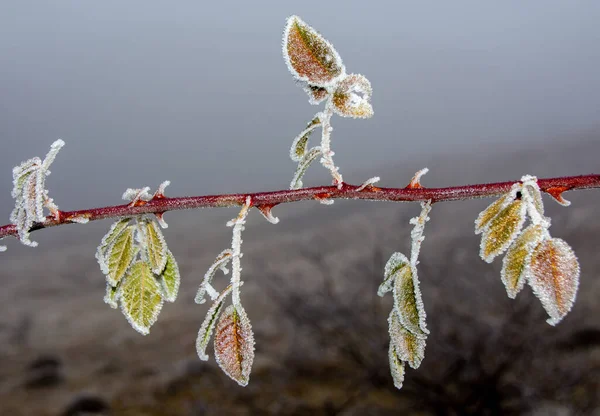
(29, 181)
(234, 344)
(207, 327)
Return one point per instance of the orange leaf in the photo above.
(351, 98)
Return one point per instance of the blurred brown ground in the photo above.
(320, 329)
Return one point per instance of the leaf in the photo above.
(536, 197)
(156, 246)
(409, 347)
(316, 95)
(141, 299)
(234, 344)
(120, 255)
(517, 258)
(303, 165)
(554, 277)
(488, 214)
(112, 295)
(502, 230)
(220, 262)
(300, 143)
(396, 366)
(309, 56)
(209, 323)
(407, 301)
(115, 230)
(170, 279)
(394, 264)
(351, 98)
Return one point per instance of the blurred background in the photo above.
(198, 93)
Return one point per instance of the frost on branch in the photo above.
(407, 328)
(141, 272)
(234, 340)
(548, 264)
(30, 194)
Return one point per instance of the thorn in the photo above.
(556, 193)
(369, 184)
(415, 182)
(265, 210)
(160, 192)
(160, 219)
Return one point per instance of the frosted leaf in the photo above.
(112, 295)
(488, 214)
(120, 254)
(156, 246)
(352, 97)
(517, 258)
(141, 299)
(407, 301)
(554, 277)
(303, 165)
(502, 230)
(309, 56)
(300, 143)
(316, 95)
(208, 325)
(234, 344)
(396, 366)
(115, 229)
(392, 267)
(170, 279)
(205, 287)
(409, 347)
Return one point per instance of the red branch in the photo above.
(160, 204)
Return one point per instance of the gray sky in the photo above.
(198, 93)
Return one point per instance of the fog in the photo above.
(198, 93)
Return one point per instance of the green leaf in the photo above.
(112, 295)
(234, 344)
(141, 299)
(309, 56)
(120, 255)
(514, 264)
(303, 165)
(170, 278)
(407, 301)
(156, 246)
(502, 230)
(396, 366)
(394, 264)
(409, 347)
(300, 143)
(209, 323)
(115, 230)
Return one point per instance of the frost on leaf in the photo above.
(112, 296)
(309, 56)
(303, 165)
(316, 95)
(396, 366)
(409, 347)
(205, 287)
(487, 215)
(502, 230)
(120, 254)
(300, 144)
(407, 301)
(554, 277)
(29, 192)
(514, 264)
(392, 267)
(209, 323)
(351, 97)
(234, 344)
(170, 279)
(140, 296)
(156, 246)
(102, 252)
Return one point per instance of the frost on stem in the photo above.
(407, 327)
(30, 194)
(141, 272)
(548, 264)
(314, 62)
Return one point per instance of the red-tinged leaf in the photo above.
(316, 95)
(514, 264)
(352, 97)
(309, 56)
(234, 344)
(554, 277)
